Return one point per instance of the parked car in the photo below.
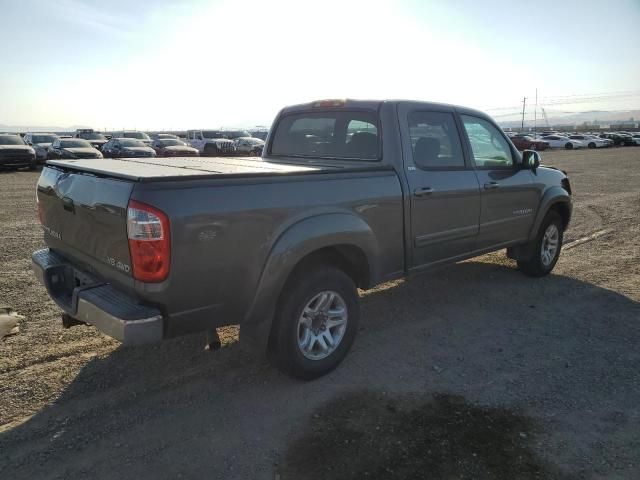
(348, 194)
(636, 138)
(143, 137)
(556, 141)
(40, 143)
(529, 143)
(67, 148)
(211, 143)
(172, 147)
(627, 139)
(127, 147)
(97, 140)
(592, 142)
(157, 136)
(15, 153)
(618, 139)
(249, 146)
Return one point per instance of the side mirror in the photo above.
(530, 159)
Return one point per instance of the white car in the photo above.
(592, 142)
(636, 138)
(556, 141)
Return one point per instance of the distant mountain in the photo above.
(38, 128)
(594, 117)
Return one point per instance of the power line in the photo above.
(572, 100)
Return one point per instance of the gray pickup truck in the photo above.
(348, 194)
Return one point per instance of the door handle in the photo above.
(421, 192)
(491, 185)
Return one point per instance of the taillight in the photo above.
(149, 242)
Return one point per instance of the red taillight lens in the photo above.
(328, 103)
(149, 242)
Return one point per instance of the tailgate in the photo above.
(85, 218)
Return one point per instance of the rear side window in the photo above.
(435, 141)
(348, 135)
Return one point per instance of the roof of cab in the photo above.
(374, 105)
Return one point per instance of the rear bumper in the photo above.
(98, 303)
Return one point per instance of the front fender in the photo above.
(551, 197)
(296, 242)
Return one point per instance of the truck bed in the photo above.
(156, 169)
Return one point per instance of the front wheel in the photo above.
(569, 146)
(592, 145)
(316, 322)
(545, 248)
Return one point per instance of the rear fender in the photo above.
(295, 243)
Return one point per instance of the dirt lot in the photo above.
(472, 372)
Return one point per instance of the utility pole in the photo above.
(535, 117)
(524, 103)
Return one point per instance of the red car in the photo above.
(173, 147)
(529, 143)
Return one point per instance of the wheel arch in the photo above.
(341, 239)
(556, 199)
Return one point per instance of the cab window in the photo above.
(435, 141)
(333, 135)
(489, 147)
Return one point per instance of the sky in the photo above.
(163, 64)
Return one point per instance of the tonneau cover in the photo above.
(150, 169)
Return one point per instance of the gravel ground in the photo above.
(474, 371)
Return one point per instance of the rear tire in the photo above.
(546, 247)
(210, 151)
(592, 145)
(568, 145)
(308, 340)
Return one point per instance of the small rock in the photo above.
(9, 322)
(438, 369)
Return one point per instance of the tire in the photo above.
(541, 264)
(210, 151)
(568, 145)
(310, 290)
(592, 145)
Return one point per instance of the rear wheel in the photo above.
(592, 145)
(316, 322)
(568, 145)
(545, 248)
(210, 151)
